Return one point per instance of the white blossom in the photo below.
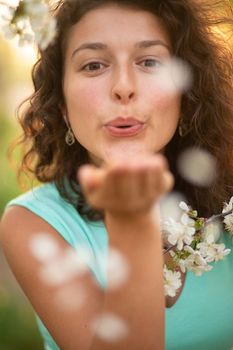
(194, 262)
(228, 220)
(212, 231)
(212, 251)
(5, 19)
(179, 233)
(9, 31)
(194, 252)
(220, 251)
(45, 34)
(172, 281)
(35, 9)
(207, 249)
(184, 206)
(32, 23)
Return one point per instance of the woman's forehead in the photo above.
(117, 23)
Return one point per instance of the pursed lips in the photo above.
(124, 126)
(123, 122)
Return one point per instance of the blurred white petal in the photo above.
(184, 206)
(212, 231)
(70, 298)
(169, 206)
(63, 269)
(117, 269)
(174, 76)
(228, 219)
(110, 327)
(172, 281)
(197, 166)
(43, 247)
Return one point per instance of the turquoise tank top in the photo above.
(202, 317)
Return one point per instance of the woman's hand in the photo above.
(126, 188)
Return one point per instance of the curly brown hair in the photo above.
(207, 109)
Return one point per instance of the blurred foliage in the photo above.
(18, 330)
(17, 324)
(9, 187)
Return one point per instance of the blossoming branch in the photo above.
(192, 244)
(30, 21)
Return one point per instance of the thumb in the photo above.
(90, 177)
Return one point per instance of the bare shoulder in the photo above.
(15, 224)
(16, 218)
(17, 227)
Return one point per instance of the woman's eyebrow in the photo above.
(148, 43)
(101, 46)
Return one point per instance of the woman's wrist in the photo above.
(128, 219)
(150, 214)
(145, 224)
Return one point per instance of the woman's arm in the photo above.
(70, 328)
(140, 302)
(133, 231)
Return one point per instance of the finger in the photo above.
(137, 177)
(157, 182)
(148, 176)
(167, 182)
(90, 177)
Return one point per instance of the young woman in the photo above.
(100, 135)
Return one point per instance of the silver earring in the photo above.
(181, 133)
(181, 128)
(70, 139)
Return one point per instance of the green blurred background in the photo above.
(18, 329)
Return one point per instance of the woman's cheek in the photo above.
(90, 96)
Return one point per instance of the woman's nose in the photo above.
(124, 87)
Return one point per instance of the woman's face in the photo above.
(113, 101)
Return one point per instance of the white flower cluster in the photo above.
(30, 21)
(228, 220)
(192, 244)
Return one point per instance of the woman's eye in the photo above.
(151, 63)
(93, 66)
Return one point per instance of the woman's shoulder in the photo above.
(42, 201)
(59, 218)
(46, 201)
(41, 194)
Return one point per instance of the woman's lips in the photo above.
(124, 126)
(120, 131)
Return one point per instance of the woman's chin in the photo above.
(125, 152)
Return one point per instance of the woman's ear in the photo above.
(65, 118)
(64, 113)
